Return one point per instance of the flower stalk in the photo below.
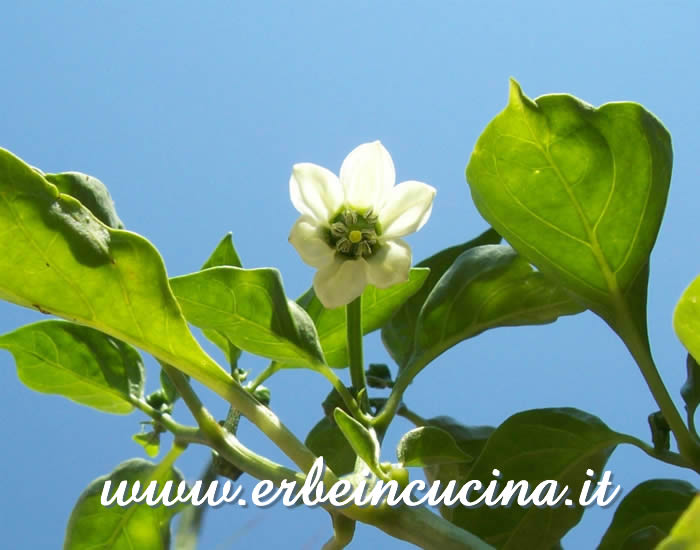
(353, 322)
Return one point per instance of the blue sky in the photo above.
(193, 116)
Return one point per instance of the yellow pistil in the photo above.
(355, 236)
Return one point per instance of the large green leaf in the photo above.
(685, 534)
(534, 446)
(378, 305)
(654, 505)
(686, 319)
(486, 287)
(580, 192)
(224, 254)
(93, 526)
(399, 332)
(250, 308)
(91, 193)
(77, 362)
(56, 257)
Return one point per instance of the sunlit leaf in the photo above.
(77, 362)
(685, 534)
(56, 257)
(655, 506)
(686, 319)
(579, 192)
(250, 308)
(92, 525)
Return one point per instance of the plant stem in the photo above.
(403, 380)
(688, 448)
(345, 395)
(418, 526)
(353, 322)
(180, 431)
(271, 369)
(664, 456)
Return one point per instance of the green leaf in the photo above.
(580, 192)
(536, 445)
(91, 193)
(654, 505)
(56, 257)
(378, 305)
(77, 362)
(92, 525)
(224, 255)
(150, 441)
(686, 319)
(486, 287)
(429, 445)
(363, 441)
(471, 441)
(398, 333)
(685, 534)
(250, 308)
(325, 439)
(379, 376)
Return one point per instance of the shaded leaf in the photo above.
(378, 305)
(77, 362)
(690, 391)
(652, 507)
(55, 256)
(534, 446)
(580, 192)
(486, 287)
(92, 525)
(379, 376)
(91, 193)
(250, 308)
(325, 439)
(399, 332)
(429, 445)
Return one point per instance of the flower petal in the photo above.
(315, 191)
(367, 175)
(341, 282)
(390, 265)
(307, 237)
(406, 209)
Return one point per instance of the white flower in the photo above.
(349, 228)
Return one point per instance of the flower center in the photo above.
(354, 235)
